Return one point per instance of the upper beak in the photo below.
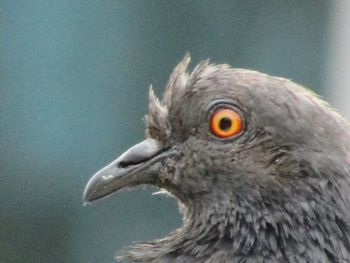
(134, 167)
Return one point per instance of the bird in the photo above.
(259, 165)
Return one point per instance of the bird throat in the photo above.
(241, 228)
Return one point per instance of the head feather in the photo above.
(177, 81)
(157, 125)
(180, 83)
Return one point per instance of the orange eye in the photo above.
(225, 123)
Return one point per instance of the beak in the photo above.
(138, 165)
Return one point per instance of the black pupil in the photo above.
(225, 123)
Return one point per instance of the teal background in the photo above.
(74, 79)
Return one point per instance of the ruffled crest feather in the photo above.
(180, 83)
(177, 81)
(157, 125)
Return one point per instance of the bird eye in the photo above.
(225, 123)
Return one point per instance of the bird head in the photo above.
(235, 143)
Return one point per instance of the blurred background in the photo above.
(74, 79)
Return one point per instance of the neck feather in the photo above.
(275, 226)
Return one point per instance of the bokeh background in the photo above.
(74, 79)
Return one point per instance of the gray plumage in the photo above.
(276, 192)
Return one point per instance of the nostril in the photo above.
(122, 164)
(125, 164)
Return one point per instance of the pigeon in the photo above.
(259, 165)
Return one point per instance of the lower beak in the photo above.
(136, 166)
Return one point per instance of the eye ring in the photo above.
(225, 122)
